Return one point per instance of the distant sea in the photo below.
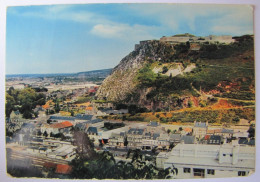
(39, 75)
(86, 73)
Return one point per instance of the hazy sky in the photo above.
(74, 38)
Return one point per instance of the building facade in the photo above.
(209, 161)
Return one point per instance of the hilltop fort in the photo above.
(192, 39)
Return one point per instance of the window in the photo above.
(186, 170)
(198, 172)
(224, 155)
(241, 173)
(211, 171)
(231, 155)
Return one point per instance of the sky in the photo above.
(76, 38)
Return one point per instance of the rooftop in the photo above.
(64, 124)
(63, 169)
(62, 118)
(200, 125)
(136, 131)
(92, 129)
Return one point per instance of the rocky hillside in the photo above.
(122, 81)
(160, 75)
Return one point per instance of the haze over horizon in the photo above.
(77, 38)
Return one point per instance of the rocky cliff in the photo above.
(122, 80)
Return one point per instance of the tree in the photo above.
(104, 166)
(171, 145)
(39, 133)
(251, 131)
(57, 107)
(84, 146)
(164, 69)
(45, 134)
(72, 113)
(125, 141)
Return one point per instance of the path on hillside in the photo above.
(224, 98)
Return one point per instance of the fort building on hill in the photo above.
(194, 40)
(182, 38)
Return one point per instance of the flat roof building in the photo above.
(209, 161)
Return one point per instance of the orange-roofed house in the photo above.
(63, 169)
(89, 110)
(60, 127)
(187, 130)
(46, 106)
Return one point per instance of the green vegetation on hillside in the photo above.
(216, 62)
(162, 85)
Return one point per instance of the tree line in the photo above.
(24, 101)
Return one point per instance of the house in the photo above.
(163, 141)
(240, 134)
(61, 118)
(215, 140)
(150, 140)
(27, 127)
(200, 129)
(135, 137)
(93, 134)
(186, 139)
(175, 138)
(62, 127)
(89, 110)
(209, 161)
(83, 118)
(153, 124)
(92, 130)
(227, 133)
(63, 169)
(117, 139)
(16, 116)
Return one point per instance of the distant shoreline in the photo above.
(55, 74)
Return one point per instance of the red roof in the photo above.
(89, 108)
(207, 137)
(92, 91)
(63, 169)
(64, 124)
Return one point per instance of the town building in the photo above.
(209, 161)
(200, 129)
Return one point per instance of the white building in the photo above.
(209, 161)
